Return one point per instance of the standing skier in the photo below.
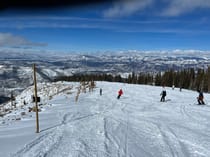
(173, 87)
(200, 98)
(120, 92)
(100, 91)
(163, 95)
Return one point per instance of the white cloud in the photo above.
(170, 8)
(8, 39)
(54, 22)
(126, 8)
(178, 7)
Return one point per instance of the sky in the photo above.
(112, 26)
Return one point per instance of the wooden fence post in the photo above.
(35, 94)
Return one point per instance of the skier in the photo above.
(173, 87)
(200, 98)
(100, 91)
(163, 94)
(120, 92)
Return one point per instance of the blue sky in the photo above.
(115, 26)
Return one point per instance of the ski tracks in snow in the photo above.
(58, 140)
(171, 142)
(42, 145)
(118, 128)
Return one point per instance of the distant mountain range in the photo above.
(16, 66)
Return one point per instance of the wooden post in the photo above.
(35, 95)
(11, 100)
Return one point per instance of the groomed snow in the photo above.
(136, 125)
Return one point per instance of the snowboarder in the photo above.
(120, 92)
(100, 91)
(200, 98)
(163, 95)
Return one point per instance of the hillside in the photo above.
(137, 124)
(16, 65)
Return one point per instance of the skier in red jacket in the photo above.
(120, 92)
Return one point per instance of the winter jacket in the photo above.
(163, 93)
(200, 97)
(120, 92)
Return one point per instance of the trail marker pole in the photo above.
(35, 94)
(11, 100)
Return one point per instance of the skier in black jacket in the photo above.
(200, 98)
(100, 91)
(163, 95)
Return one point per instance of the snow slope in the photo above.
(136, 125)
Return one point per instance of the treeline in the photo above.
(188, 78)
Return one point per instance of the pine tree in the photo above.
(158, 79)
(199, 79)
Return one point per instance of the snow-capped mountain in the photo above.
(16, 66)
